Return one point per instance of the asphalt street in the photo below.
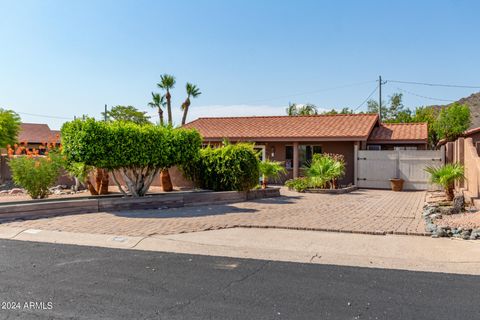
(52, 281)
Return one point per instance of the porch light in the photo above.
(273, 152)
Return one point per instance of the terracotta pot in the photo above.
(396, 184)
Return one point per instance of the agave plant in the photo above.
(324, 170)
(271, 169)
(446, 176)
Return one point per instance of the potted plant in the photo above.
(446, 176)
(270, 169)
(396, 184)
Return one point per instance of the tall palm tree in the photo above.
(192, 91)
(166, 83)
(158, 102)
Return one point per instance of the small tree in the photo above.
(135, 152)
(452, 121)
(9, 127)
(127, 113)
(446, 176)
(271, 169)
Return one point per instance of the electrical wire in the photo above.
(43, 116)
(425, 97)
(435, 84)
(369, 96)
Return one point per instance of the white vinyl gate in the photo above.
(376, 168)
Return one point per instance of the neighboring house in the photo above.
(294, 139)
(36, 135)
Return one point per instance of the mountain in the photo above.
(473, 102)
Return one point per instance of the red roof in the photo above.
(37, 133)
(287, 128)
(395, 132)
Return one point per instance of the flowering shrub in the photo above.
(34, 172)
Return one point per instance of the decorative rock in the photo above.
(440, 232)
(466, 235)
(430, 227)
(448, 210)
(459, 203)
(15, 191)
(429, 211)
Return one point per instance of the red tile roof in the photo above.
(287, 128)
(37, 133)
(395, 132)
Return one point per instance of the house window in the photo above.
(305, 154)
(289, 157)
(375, 147)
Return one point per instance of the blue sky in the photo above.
(66, 58)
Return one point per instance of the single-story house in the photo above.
(36, 135)
(294, 139)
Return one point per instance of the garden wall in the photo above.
(53, 207)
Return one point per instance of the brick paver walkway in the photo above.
(362, 211)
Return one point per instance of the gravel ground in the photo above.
(469, 220)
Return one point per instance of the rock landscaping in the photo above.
(450, 218)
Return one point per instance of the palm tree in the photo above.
(166, 83)
(446, 176)
(158, 102)
(192, 91)
(292, 109)
(270, 169)
(308, 109)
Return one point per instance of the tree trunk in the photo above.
(264, 182)
(186, 105)
(98, 179)
(91, 188)
(166, 181)
(169, 108)
(449, 191)
(105, 182)
(160, 115)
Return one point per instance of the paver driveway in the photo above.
(363, 211)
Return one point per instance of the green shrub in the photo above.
(446, 176)
(227, 168)
(271, 169)
(36, 174)
(324, 170)
(135, 152)
(297, 184)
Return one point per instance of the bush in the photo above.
(233, 167)
(136, 152)
(324, 170)
(36, 174)
(297, 184)
(446, 176)
(271, 169)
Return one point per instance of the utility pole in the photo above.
(380, 83)
(105, 114)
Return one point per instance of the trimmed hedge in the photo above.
(233, 167)
(136, 152)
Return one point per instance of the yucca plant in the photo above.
(324, 170)
(271, 169)
(446, 176)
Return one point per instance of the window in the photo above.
(305, 154)
(376, 147)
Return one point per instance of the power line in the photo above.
(312, 92)
(435, 84)
(44, 116)
(369, 96)
(425, 97)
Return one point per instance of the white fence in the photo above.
(374, 169)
